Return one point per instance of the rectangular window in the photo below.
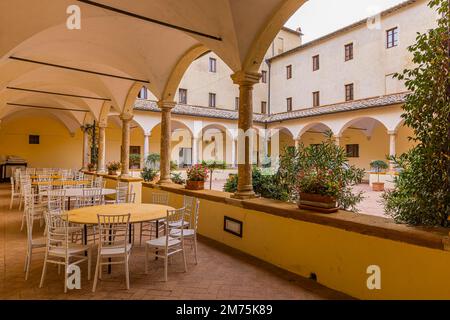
(182, 96)
(33, 139)
(316, 99)
(135, 149)
(392, 38)
(212, 65)
(236, 103)
(263, 107)
(349, 52)
(143, 93)
(352, 150)
(212, 100)
(289, 72)
(316, 64)
(264, 76)
(289, 104)
(349, 92)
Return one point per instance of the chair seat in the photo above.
(161, 242)
(38, 243)
(69, 230)
(186, 233)
(115, 250)
(73, 249)
(178, 224)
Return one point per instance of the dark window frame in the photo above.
(316, 99)
(264, 76)
(352, 150)
(264, 107)
(392, 38)
(348, 51)
(34, 139)
(289, 104)
(180, 100)
(349, 92)
(212, 65)
(289, 72)
(316, 62)
(212, 103)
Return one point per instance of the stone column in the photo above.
(296, 143)
(85, 147)
(146, 146)
(125, 149)
(101, 148)
(195, 150)
(233, 153)
(337, 140)
(166, 133)
(246, 81)
(392, 152)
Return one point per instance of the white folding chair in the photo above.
(15, 193)
(166, 246)
(114, 246)
(149, 228)
(59, 248)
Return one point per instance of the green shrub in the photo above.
(149, 174)
(177, 178)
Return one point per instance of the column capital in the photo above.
(126, 117)
(245, 78)
(166, 104)
(392, 132)
(102, 125)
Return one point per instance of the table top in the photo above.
(78, 192)
(60, 183)
(51, 176)
(140, 212)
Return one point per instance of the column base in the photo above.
(164, 181)
(244, 195)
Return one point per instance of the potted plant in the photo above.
(177, 178)
(196, 177)
(135, 161)
(112, 167)
(91, 167)
(378, 166)
(153, 160)
(319, 178)
(149, 174)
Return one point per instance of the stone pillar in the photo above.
(337, 140)
(125, 149)
(195, 142)
(246, 81)
(101, 148)
(296, 143)
(146, 146)
(85, 147)
(166, 133)
(233, 153)
(392, 152)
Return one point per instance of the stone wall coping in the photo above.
(385, 228)
(111, 177)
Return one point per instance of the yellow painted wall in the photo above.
(402, 142)
(339, 258)
(114, 141)
(57, 147)
(374, 148)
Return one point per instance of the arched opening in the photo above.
(216, 144)
(313, 133)
(364, 139)
(280, 139)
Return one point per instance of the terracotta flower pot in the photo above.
(195, 185)
(317, 202)
(378, 186)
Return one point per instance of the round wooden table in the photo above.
(139, 212)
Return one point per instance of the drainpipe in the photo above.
(268, 84)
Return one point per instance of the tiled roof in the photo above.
(196, 111)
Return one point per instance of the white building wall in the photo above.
(370, 70)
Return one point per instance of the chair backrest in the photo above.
(29, 209)
(92, 197)
(122, 194)
(98, 182)
(57, 230)
(173, 217)
(160, 198)
(56, 200)
(113, 230)
(13, 185)
(189, 204)
(195, 215)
